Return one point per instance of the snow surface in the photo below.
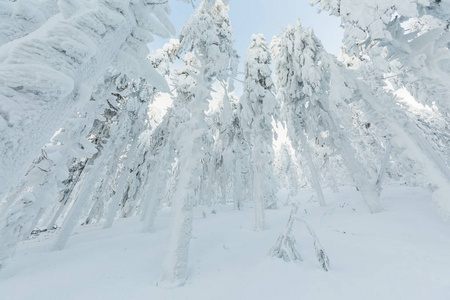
(401, 253)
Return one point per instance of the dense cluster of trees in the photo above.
(78, 143)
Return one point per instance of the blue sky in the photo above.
(266, 17)
(270, 16)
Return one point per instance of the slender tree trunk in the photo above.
(15, 224)
(82, 198)
(151, 207)
(175, 266)
(115, 201)
(407, 135)
(191, 150)
(315, 179)
(237, 185)
(258, 182)
(26, 233)
(365, 185)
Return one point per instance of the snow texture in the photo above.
(400, 253)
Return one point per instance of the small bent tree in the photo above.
(285, 246)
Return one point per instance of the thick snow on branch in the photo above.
(50, 67)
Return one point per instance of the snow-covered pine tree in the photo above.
(288, 172)
(242, 171)
(316, 100)
(111, 169)
(69, 54)
(405, 43)
(229, 179)
(162, 58)
(259, 107)
(163, 152)
(286, 85)
(52, 72)
(208, 33)
(137, 94)
(27, 203)
(65, 157)
(289, 92)
(405, 40)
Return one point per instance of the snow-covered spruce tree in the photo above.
(241, 147)
(162, 58)
(150, 171)
(139, 181)
(160, 155)
(102, 130)
(289, 90)
(27, 203)
(224, 156)
(405, 43)
(69, 54)
(217, 180)
(316, 99)
(104, 116)
(208, 34)
(259, 106)
(400, 167)
(47, 75)
(232, 166)
(57, 171)
(406, 40)
(138, 94)
(113, 167)
(163, 153)
(287, 171)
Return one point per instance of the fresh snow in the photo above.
(85, 141)
(401, 253)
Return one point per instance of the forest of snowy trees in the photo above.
(83, 139)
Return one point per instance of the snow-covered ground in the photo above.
(401, 253)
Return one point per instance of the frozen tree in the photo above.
(208, 34)
(162, 58)
(316, 102)
(233, 169)
(137, 95)
(259, 106)
(117, 159)
(408, 39)
(230, 169)
(28, 202)
(289, 89)
(65, 158)
(242, 166)
(226, 136)
(52, 72)
(288, 171)
(405, 43)
(163, 151)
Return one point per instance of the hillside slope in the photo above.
(401, 253)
